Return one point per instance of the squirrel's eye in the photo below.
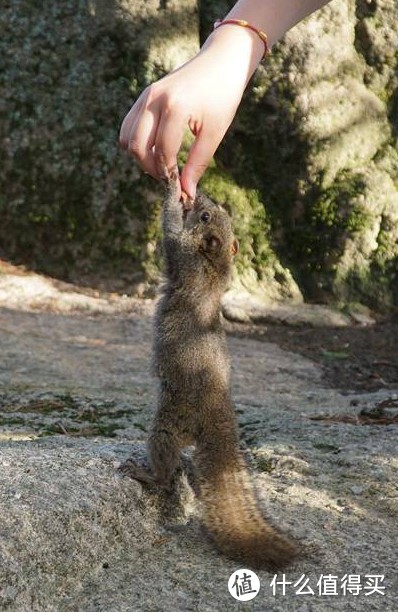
(205, 216)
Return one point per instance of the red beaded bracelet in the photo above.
(245, 24)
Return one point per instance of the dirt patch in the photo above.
(356, 358)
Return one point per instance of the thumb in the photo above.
(199, 157)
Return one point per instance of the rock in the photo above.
(317, 136)
(75, 535)
(72, 203)
(357, 490)
(309, 168)
(242, 307)
(66, 513)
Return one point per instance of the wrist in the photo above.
(238, 47)
(243, 23)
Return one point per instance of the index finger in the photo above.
(128, 123)
(199, 157)
(169, 135)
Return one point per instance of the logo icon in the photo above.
(243, 585)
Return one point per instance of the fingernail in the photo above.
(187, 201)
(190, 191)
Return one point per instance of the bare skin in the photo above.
(204, 94)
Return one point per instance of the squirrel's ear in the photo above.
(234, 247)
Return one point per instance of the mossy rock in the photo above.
(258, 268)
(316, 138)
(71, 202)
(309, 167)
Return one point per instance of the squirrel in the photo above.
(191, 359)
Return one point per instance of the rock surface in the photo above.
(76, 399)
(310, 167)
(317, 135)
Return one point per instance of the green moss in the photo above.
(71, 204)
(248, 214)
(330, 216)
(12, 420)
(325, 447)
(151, 257)
(96, 429)
(265, 464)
(337, 205)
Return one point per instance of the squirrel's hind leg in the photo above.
(164, 456)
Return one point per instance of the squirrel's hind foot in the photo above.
(132, 468)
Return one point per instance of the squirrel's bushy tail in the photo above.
(233, 517)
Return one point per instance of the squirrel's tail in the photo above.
(233, 517)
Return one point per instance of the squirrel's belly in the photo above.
(199, 361)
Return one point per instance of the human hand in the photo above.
(202, 95)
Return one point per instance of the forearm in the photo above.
(274, 17)
(204, 93)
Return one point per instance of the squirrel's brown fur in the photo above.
(192, 362)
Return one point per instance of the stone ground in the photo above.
(76, 398)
